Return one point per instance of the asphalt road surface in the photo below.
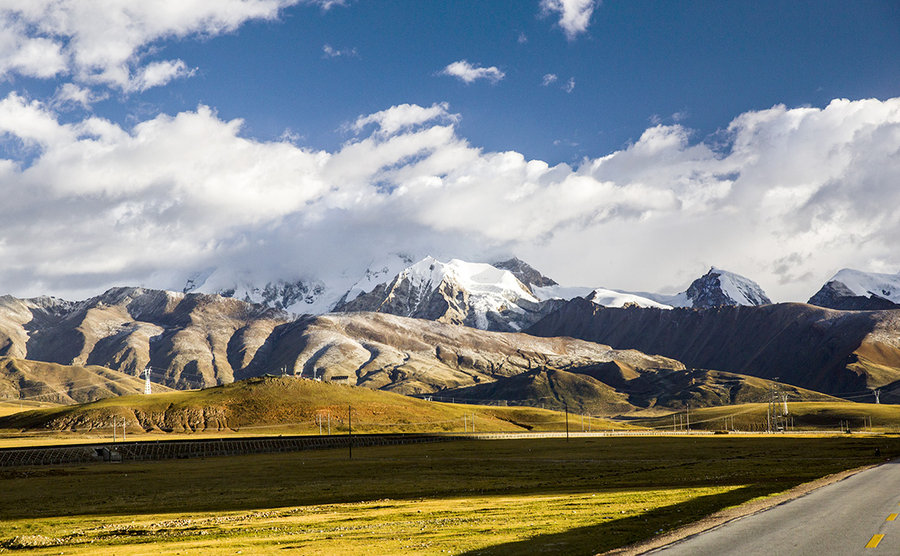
(858, 515)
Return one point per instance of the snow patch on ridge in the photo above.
(613, 298)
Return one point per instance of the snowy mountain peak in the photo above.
(720, 287)
(457, 291)
(857, 290)
(475, 278)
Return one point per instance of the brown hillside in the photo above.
(836, 352)
(63, 384)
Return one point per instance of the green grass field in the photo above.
(481, 497)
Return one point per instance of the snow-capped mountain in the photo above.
(506, 296)
(305, 295)
(475, 294)
(714, 289)
(854, 290)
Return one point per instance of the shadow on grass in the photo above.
(621, 532)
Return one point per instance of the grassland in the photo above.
(481, 497)
(13, 407)
(801, 416)
(272, 406)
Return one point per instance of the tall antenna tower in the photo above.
(147, 387)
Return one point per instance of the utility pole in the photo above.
(350, 428)
(567, 420)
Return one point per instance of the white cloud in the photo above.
(158, 73)
(574, 15)
(795, 195)
(404, 116)
(325, 4)
(569, 85)
(329, 51)
(70, 94)
(468, 73)
(549, 79)
(106, 43)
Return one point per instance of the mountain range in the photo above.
(456, 327)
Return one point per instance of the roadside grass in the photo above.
(832, 417)
(481, 497)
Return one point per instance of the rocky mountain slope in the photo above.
(190, 340)
(198, 340)
(405, 355)
(525, 273)
(854, 290)
(835, 352)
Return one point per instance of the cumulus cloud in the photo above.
(468, 73)
(574, 15)
(792, 196)
(103, 43)
(549, 79)
(569, 85)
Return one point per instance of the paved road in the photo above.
(858, 515)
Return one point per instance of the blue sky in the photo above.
(698, 63)
(661, 104)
